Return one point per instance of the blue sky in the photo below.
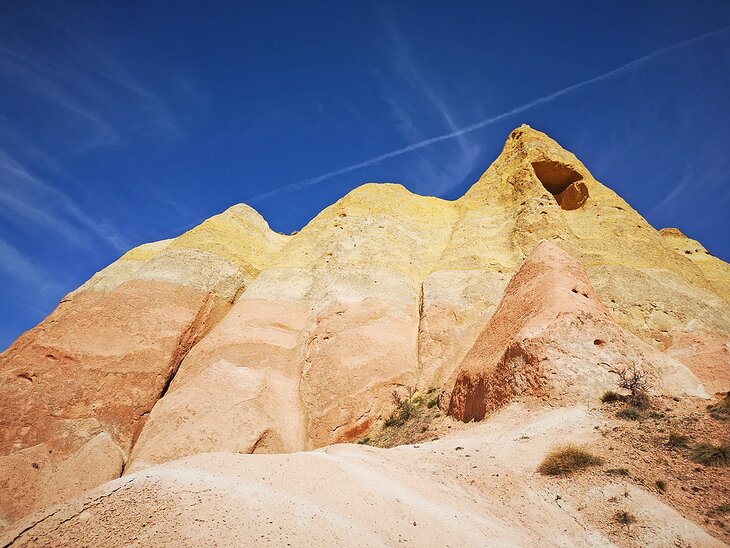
(134, 121)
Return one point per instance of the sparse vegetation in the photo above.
(609, 396)
(712, 455)
(661, 485)
(637, 382)
(567, 459)
(631, 413)
(410, 420)
(618, 472)
(721, 409)
(624, 518)
(404, 408)
(677, 440)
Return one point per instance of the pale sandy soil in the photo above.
(475, 486)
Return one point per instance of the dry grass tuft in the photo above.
(677, 440)
(567, 459)
(609, 396)
(712, 455)
(630, 414)
(624, 518)
(721, 409)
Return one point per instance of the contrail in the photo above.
(299, 185)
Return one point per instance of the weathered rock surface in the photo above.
(551, 335)
(234, 338)
(99, 363)
(485, 493)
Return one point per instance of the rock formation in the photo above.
(552, 335)
(232, 338)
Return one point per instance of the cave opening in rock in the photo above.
(563, 182)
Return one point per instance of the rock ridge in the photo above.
(234, 338)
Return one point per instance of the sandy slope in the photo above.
(476, 487)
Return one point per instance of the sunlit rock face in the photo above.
(234, 338)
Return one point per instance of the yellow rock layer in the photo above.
(715, 270)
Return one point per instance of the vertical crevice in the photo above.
(209, 314)
(419, 334)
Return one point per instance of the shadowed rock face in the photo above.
(563, 182)
(234, 338)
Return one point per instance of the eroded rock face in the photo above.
(551, 335)
(94, 369)
(234, 338)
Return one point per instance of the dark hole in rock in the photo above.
(563, 182)
(598, 342)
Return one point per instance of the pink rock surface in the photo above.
(552, 336)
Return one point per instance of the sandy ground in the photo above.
(699, 493)
(475, 486)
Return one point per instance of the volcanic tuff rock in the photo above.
(551, 334)
(350, 495)
(234, 338)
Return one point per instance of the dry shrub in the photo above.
(677, 440)
(637, 382)
(721, 409)
(410, 421)
(712, 455)
(609, 396)
(624, 518)
(630, 414)
(567, 459)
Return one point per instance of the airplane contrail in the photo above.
(305, 183)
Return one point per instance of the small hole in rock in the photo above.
(599, 342)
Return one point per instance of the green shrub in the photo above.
(712, 455)
(404, 408)
(661, 485)
(409, 420)
(567, 459)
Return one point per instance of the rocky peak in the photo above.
(539, 282)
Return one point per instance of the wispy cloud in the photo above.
(456, 133)
(17, 265)
(402, 92)
(98, 99)
(78, 95)
(31, 201)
